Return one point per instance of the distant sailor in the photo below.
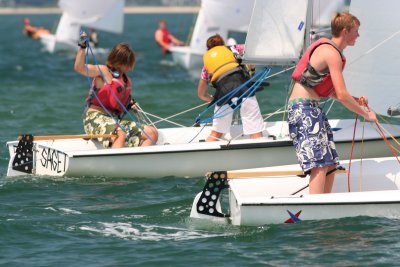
(111, 90)
(93, 37)
(32, 31)
(165, 39)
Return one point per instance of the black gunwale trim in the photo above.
(285, 143)
(221, 148)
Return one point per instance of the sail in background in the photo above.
(323, 10)
(276, 31)
(222, 17)
(373, 67)
(280, 29)
(106, 15)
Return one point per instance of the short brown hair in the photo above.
(215, 40)
(121, 55)
(342, 21)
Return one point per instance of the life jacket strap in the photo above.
(223, 74)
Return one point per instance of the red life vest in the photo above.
(109, 93)
(166, 39)
(324, 85)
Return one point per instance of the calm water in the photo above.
(79, 221)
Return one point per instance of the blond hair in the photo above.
(342, 21)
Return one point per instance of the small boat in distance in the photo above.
(228, 18)
(106, 15)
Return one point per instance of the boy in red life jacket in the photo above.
(116, 85)
(319, 74)
(164, 38)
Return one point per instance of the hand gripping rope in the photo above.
(259, 77)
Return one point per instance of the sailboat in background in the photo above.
(106, 15)
(228, 18)
(276, 194)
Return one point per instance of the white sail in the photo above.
(276, 31)
(106, 15)
(67, 29)
(222, 17)
(281, 29)
(374, 62)
(229, 18)
(323, 10)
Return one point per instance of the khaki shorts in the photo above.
(96, 122)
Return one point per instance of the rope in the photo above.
(142, 116)
(392, 149)
(351, 152)
(387, 132)
(194, 137)
(362, 155)
(375, 47)
(281, 110)
(260, 75)
(382, 133)
(330, 107)
(177, 114)
(226, 98)
(380, 129)
(163, 119)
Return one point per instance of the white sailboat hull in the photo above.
(186, 57)
(52, 45)
(273, 199)
(174, 155)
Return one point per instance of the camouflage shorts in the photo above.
(96, 122)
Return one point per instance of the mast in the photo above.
(309, 24)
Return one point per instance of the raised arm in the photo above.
(87, 69)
